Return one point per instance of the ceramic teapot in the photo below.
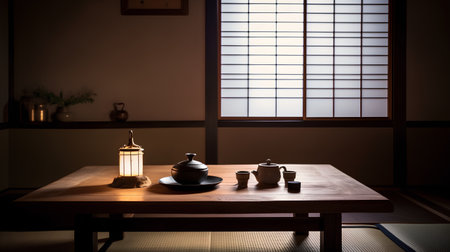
(268, 172)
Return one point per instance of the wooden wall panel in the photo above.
(40, 156)
(363, 153)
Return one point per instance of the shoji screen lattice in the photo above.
(269, 54)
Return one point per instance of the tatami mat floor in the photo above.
(353, 239)
(406, 210)
(421, 237)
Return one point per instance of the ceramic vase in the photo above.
(62, 114)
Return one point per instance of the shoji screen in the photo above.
(345, 58)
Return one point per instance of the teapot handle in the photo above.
(117, 104)
(283, 167)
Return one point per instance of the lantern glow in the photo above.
(131, 162)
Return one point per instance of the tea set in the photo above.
(191, 173)
(269, 174)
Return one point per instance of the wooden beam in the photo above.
(209, 224)
(11, 104)
(331, 236)
(211, 77)
(398, 10)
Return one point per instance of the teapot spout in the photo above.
(255, 173)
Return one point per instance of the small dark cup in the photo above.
(242, 178)
(288, 176)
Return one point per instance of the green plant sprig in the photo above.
(61, 101)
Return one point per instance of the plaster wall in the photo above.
(154, 64)
(428, 89)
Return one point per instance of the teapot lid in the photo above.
(268, 163)
(190, 163)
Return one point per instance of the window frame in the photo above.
(388, 118)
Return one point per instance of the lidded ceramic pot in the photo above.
(190, 171)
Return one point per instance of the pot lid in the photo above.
(268, 163)
(190, 163)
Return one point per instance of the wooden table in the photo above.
(98, 207)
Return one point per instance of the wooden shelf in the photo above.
(221, 123)
(108, 125)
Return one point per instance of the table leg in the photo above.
(301, 215)
(85, 238)
(116, 234)
(331, 236)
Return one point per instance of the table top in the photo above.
(324, 189)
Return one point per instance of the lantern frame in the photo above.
(131, 166)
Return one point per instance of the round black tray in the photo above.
(208, 183)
